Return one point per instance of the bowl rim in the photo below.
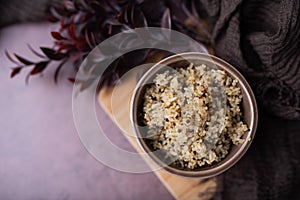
(214, 169)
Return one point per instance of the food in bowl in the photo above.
(194, 114)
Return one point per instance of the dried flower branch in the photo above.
(86, 23)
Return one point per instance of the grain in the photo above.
(194, 114)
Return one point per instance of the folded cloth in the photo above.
(262, 40)
(271, 167)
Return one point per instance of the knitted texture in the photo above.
(262, 40)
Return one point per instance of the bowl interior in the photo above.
(248, 107)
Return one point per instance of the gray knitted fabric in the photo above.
(262, 40)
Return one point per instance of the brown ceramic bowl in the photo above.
(249, 109)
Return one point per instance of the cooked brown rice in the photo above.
(194, 114)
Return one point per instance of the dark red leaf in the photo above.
(131, 14)
(58, 70)
(94, 39)
(23, 60)
(15, 71)
(35, 52)
(57, 36)
(81, 45)
(52, 19)
(143, 18)
(125, 14)
(10, 58)
(137, 18)
(62, 24)
(122, 16)
(87, 39)
(72, 80)
(39, 67)
(166, 19)
(50, 53)
(55, 14)
(72, 30)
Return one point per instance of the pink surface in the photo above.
(41, 156)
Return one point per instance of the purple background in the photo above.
(41, 156)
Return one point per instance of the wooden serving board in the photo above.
(116, 103)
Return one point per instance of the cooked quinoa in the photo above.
(194, 114)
